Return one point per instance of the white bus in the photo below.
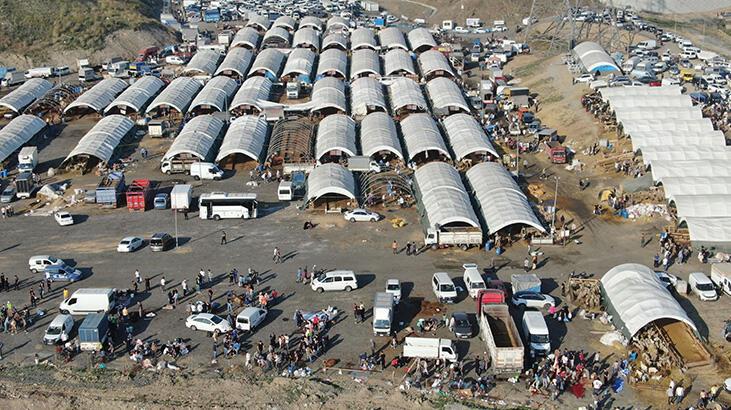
(222, 205)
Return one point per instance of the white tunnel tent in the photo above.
(286, 22)
(18, 132)
(421, 40)
(97, 97)
(268, 63)
(709, 231)
(641, 92)
(276, 37)
(500, 199)
(654, 153)
(135, 98)
(422, 138)
(258, 22)
(406, 95)
(467, 137)
(246, 136)
(196, 139)
(702, 206)
(365, 63)
(333, 63)
(630, 101)
(23, 96)
(307, 37)
(337, 24)
(247, 37)
(635, 297)
(677, 186)
(335, 137)
(446, 97)
(391, 38)
(335, 40)
(685, 169)
(644, 140)
(330, 181)
(398, 62)
(237, 63)
(363, 38)
(378, 134)
(312, 22)
(203, 63)
(215, 96)
(658, 113)
(433, 64)
(443, 198)
(251, 95)
(700, 125)
(328, 96)
(300, 62)
(177, 95)
(101, 141)
(366, 96)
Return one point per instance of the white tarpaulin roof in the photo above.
(335, 132)
(246, 135)
(397, 60)
(270, 60)
(300, 61)
(196, 138)
(421, 134)
(445, 94)
(311, 21)
(653, 113)
(286, 22)
(26, 94)
(501, 201)
(237, 60)
(337, 22)
(703, 206)
(330, 179)
(642, 140)
(18, 132)
(675, 186)
(638, 298)
(138, 94)
(684, 169)
(378, 133)
(178, 94)
(365, 62)
(337, 40)
(366, 92)
(252, 91)
(594, 57)
(333, 60)
(99, 96)
(275, 33)
(433, 60)
(443, 196)
(103, 138)
(405, 91)
(466, 136)
(329, 92)
(421, 39)
(217, 93)
(203, 62)
(709, 229)
(246, 37)
(631, 101)
(610, 92)
(306, 36)
(257, 20)
(657, 126)
(363, 37)
(391, 38)
(684, 152)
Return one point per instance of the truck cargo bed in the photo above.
(501, 330)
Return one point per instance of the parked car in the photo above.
(130, 244)
(460, 325)
(161, 201)
(702, 286)
(63, 218)
(38, 263)
(161, 241)
(61, 273)
(584, 78)
(393, 286)
(669, 280)
(61, 324)
(335, 280)
(361, 215)
(8, 194)
(533, 300)
(250, 318)
(207, 322)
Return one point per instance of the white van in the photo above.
(38, 263)
(335, 280)
(473, 280)
(535, 332)
(721, 276)
(205, 170)
(284, 192)
(61, 324)
(250, 318)
(702, 286)
(443, 287)
(88, 300)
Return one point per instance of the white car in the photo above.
(207, 322)
(669, 280)
(393, 287)
(584, 78)
(63, 218)
(361, 215)
(129, 244)
(533, 299)
(461, 30)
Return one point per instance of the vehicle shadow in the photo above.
(364, 279)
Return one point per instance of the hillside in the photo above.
(48, 29)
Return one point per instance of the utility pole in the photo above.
(175, 219)
(555, 204)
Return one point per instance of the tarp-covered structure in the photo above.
(378, 134)
(680, 152)
(203, 63)
(23, 96)
(635, 297)
(421, 40)
(335, 40)
(363, 38)
(18, 132)
(423, 139)
(134, 99)
(330, 180)
(177, 95)
(328, 96)
(258, 22)
(337, 24)
(97, 97)
(311, 21)
(236, 63)
(446, 97)
(335, 133)
(365, 63)
(398, 62)
(434, 64)
(277, 37)
(696, 186)
(251, 95)
(443, 199)
(268, 63)
(286, 22)
(467, 137)
(300, 62)
(215, 96)
(392, 37)
(406, 96)
(594, 58)
(366, 96)
(197, 138)
(307, 37)
(500, 199)
(247, 37)
(333, 63)
(245, 136)
(101, 141)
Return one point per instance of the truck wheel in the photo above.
(197, 178)
(65, 312)
(167, 172)
(434, 246)
(463, 247)
(348, 288)
(216, 218)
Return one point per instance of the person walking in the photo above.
(670, 395)
(210, 277)
(184, 285)
(223, 238)
(298, 277)
(162, 283)
(679, 394)
(526, 264)
(394, 247)
(65, 293)
(277, 255)
(17, 282)
(138, 278)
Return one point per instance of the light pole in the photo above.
(555, 203)
(175, 219)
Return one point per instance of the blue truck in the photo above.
(93, 331)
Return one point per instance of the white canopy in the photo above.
(335, 132)
(99, 96)
(306, 37)
(631, 101)
(421, 40)
(397, 60)
(247, 37)
(258, 21)
(286, 22)
(432, 61)
(405, 91)
(690, 186)
(703, 206)
(643, 140)
(657, 126)
(636, 297)
(443, 196)
(329, 92)
(333, 61)
(26, 94)
(269, 60)
(330, 179)
(466, 136)
(709, 230)
(138, 94)
(501, 201)
(246, 135)
(685, 169)
(446, 96)
(196, 138)
(311, 21)
(391, 38)
(252, 92)
(378, 133)
(366, 92)
(653, 113)
(103, 138)
(337, 23)
(365, 62)
(594, 58)
(216, 94)
(204, 62)
(276, 34)
(363, 38)
(238, 60)
(335, 40)
(421, 134)
(19, 131)
(178, 94)
(299, 62)
(641, 92)
(684, 152)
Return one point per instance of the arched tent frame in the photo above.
(97, 97)
(17, 132)
(197, 138)
(335, 133)
(246, 135)
(136, 97)
(378, 133)
(330, 180)
(22, 97)
(237, 61)
(422, 136)
(101, 141)
(177, 95)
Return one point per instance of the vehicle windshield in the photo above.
(461, 323)
(53, 331)
(393, 287)
(447, 288)
(381, 324)
(52, 259)
(125, 242)
(539, 338)
(216, 319)
(478, 285)
(320, 277)
(704, 286)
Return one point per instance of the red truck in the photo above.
(556, 152)
(139, 195)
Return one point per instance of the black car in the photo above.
(460, 325)
(161, 241)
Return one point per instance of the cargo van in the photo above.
(250, 318)
(284, 191)
(205, 170)
(721, 276)
(535, 332)
(61, 324)
(38, 263)
(444, 288)
(88, 300)
(473, 280)
(702, 286)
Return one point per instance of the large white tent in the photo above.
(101, 141)
(443, 196)
(26, 94)
(422, 135)
(378, 133)
(18, 132)
(330, 179)
(467, 137)
(246, 135)
(335, 133)
(196, 138)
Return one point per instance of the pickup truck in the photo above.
(498, 331)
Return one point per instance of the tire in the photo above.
(374, 220)
(320, 290)
(34, 270)
(348, 289)
(197, 178)
(65, 312)
(352, 220)
(463, 247)
(167, 172)
(216, 217)
(193, 328)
